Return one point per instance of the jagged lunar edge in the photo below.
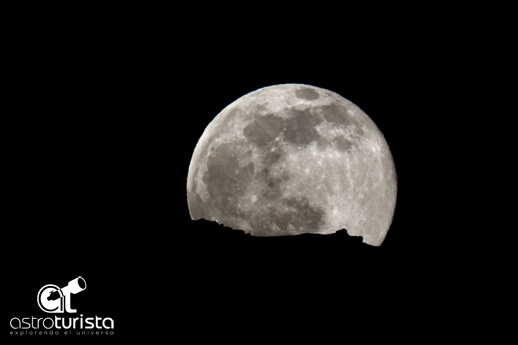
(322, 154)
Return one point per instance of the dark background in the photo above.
(100, 127)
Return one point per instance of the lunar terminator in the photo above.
(290, 159)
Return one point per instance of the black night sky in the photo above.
(101, 128)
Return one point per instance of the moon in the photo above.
(290, 159)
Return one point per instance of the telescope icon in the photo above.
(74, 286)
(53, 299)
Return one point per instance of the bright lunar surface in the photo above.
(290, 159)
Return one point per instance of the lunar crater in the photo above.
(307, 94)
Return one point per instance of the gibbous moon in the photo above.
(291, 159)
